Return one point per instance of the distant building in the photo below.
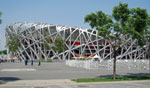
(79, 42)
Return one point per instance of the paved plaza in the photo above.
(66, 83)
(58, 75)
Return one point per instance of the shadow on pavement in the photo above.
(138, 74)
(4, 80)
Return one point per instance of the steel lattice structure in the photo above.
(79, 42)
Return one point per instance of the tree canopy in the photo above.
(3, 52)
(59, 45)
(97, 19)
(138, 23)
(122, 22)
(13, 43)
(47, 43)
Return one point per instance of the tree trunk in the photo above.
(149, 65)
(114, 65)
(149, 58)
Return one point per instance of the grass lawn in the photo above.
(43, 60)
(111, 79)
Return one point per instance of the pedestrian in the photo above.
(26, 62)
(20, 59)
(39, 63)
(32, 62)
(0, 60)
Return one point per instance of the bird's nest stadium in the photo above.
(79, 42)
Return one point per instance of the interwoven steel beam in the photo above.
(79, 42)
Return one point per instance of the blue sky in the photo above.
(58, 12)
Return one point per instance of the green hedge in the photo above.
(48, 60)
(111, 79)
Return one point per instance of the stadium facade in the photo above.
(79, 42)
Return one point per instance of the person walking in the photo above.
(32, 61)
(25, 62)
(39, 63)
(0, 60)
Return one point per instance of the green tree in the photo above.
(4, 52)
(0, 23)
(123, 21)
(13, 43)
(1, 52)
(147, 37)
(138, 24)
(59, 45)
(47, 43)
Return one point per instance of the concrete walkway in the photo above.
(66, 83)
(38, 82)
(47, 71)
(59, 75)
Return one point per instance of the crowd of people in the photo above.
(26, 61)
(8, 59)
(17, 59)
